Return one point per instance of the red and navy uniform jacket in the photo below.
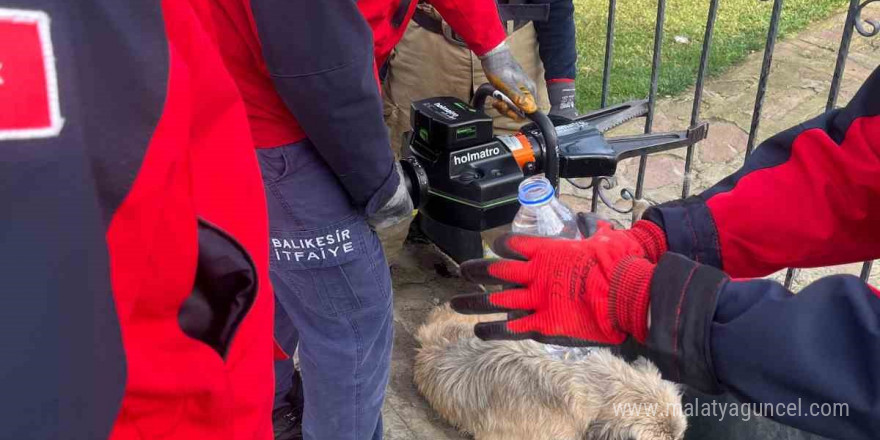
(133, 234)
(476, 21)
(306, 69)
(807, 197)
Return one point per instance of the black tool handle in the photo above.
(551, 149)
(545, 126)
(483, 92)
(631, 146)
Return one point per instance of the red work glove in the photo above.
(646, 234)
(574, 292)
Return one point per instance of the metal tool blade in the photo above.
(613, 116)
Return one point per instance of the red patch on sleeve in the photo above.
(28, 82)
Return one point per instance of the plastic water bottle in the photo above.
(541, 213)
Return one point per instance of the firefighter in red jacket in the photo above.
(133, 229)
(306, 71)
(676, 281)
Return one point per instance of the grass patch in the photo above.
(741, 28)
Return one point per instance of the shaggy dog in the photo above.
(514, 390)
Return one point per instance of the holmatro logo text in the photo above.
(475, 155)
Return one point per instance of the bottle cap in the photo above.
(535, 191)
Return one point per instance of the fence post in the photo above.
(606, 84)
(698, 93)
(652, 96)
(772, 33)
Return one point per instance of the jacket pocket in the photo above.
(273, 163)
(334, 270)
(224, 290)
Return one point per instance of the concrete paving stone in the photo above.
(661, 170)
(566, 188)
(825, 36)
(725, 142)
(422, 422)
(394, 428)
(855, 73)
(805, 55)
(730, 86)
(865, 54)
(577, 204)
(711, 175)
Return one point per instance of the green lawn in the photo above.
(741, 28)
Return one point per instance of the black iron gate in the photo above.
(854, 23)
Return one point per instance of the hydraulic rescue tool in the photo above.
(465, 180)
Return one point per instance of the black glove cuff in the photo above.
(690, 229)
(683, 300)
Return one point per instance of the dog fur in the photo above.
(513, 390)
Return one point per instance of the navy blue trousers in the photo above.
(332, 281)
(287, 337)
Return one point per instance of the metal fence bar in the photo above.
(842, 52)
(698, 92)
(790, 275)
(652, 96)
(609, 51)
(772, 33)
(866, 270)
(594, 201)
(606, 84)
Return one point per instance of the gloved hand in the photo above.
(572, 292)
(397, 209)
(506, 74)
(562, 98)
(646, 234)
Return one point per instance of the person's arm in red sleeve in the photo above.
(806, 197)
(320, 57)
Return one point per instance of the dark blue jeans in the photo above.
(331, 279)
(287, 337)
(556, 40)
